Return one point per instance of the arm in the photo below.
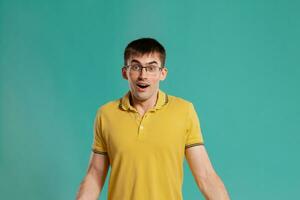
(91, 186)
(205, 176)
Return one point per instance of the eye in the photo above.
(135, 67)
(151, 68)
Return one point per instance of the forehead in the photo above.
(145, 58)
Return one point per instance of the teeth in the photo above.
(143, 85)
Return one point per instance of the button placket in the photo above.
(141, 127)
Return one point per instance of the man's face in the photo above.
(144, 85)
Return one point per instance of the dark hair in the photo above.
(144, 46)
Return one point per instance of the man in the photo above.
(145, 135)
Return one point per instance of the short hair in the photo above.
(144, 46)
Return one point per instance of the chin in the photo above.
(142, 97)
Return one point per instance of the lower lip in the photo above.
(141, 89)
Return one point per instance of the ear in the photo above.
(124, 73)
(163, 73)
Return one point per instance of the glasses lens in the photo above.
(150, 69)
(135, 67)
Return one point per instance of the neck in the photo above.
(143, 106)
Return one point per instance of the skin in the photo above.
(208, 182)
(144, 100)
(92, 184)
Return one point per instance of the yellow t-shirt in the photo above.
(146, 153)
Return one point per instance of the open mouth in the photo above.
(142, 85)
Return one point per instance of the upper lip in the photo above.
(142, 83)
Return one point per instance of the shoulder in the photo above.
(108, 107)
(179, 101)
(181, 105)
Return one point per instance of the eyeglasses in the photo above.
(150, 68)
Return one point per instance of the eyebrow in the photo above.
(152, 62)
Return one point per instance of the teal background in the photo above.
(237, 61)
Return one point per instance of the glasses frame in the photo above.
(141, 68)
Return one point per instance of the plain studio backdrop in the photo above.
(237, 61)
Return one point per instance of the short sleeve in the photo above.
(193, 132)
(99, 145)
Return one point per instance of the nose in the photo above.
(142, 72)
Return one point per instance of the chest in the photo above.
(153, 134)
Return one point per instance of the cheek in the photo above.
(131, 77)
(155, 80)
(132, 80)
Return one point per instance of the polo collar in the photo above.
(160, 102)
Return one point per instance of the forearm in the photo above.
(90, 188)
(212, 187)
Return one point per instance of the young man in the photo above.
(145, 135)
